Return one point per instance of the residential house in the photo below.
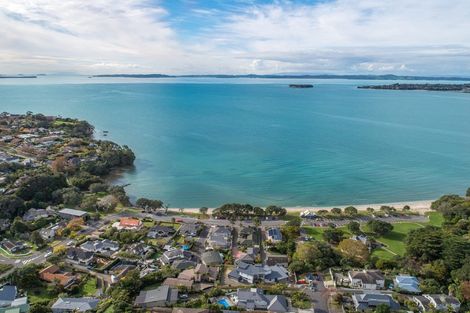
(201, 273)
(363, 239)
(162, 296)
(406, 283)
(13, 246)
(274, 235)
(276, 259)
(49, 233)
(169, 257)
(252, 273)
(69, 214)
(188, 310)
(178, 282)
(128, 223)
(249, 237)
(35, 214)
(190, 229)
(183, 264)
(104, 246)
(219, 238)
(255, 299)
(10, 302)
(212, 258)
(160, 231)
(80, 256)
(367, 279)
(438, 302)
(140, 249)
(54, 274)
(64, 305)
(369, 301)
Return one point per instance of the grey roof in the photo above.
(183, 264)
(160, 231)
(407, 283)
(212, 258)
(442, 299)
(258, 271)
(76, 304)
(366, 300)
(73, 212)
(278, 304)
(367, 277)
(255, 298)
(80, 254)
(100, 245)
(7, 294)
(162, 293)
(189, 228)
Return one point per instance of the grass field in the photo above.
(383, 254)
(435, 219)
(394, 241)
(89, 288)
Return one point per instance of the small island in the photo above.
(429, 87)
(300, 86)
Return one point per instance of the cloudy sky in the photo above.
(244, 36)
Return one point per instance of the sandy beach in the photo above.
(421, 206)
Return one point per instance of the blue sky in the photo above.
(243, 36)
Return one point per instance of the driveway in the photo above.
(319, 297)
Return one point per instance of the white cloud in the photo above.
(422, 37)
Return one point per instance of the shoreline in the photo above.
(420, 206)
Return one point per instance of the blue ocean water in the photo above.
(208, 142)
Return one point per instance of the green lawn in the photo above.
(395, 240)
(435, 219)
(382, 254)
(39, 295)
(89, 288)
(315, 232)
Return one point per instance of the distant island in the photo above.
(301, 86)
(18, 76)
(291, 76)
(430, 87)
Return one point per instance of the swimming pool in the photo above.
(224, 303)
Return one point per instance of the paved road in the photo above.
(319, 297)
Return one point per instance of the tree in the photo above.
(382, 308)
(19, 227)
(37, 239)
(354, 250)
(314, 256)
(98, 187)
(354, 227)
(148, 204)
(425, 244)
(41, 187)
(370, 210)
(468, 192)
(333, 235)
(11, 206)
(27, 276)
(83, 180)
(203, 210)
(336, 211)
(379, 228)
(350, 210)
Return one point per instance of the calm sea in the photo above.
(205, 142)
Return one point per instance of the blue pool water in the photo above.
(260, 142)
(224, 303)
